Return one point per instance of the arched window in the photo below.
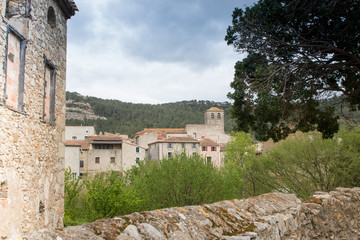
(219, 115)
(212, 116)
(51, 17)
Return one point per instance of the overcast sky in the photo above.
(156, 51)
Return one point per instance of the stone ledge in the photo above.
(331, 215)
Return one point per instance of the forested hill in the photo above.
(128, 118)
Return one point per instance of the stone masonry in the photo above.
(333, 215)
(33, 35)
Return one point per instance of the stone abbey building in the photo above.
(33, 35)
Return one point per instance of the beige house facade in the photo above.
(33, 37)
(210, 150)
(101, 153)
(72, 159)
(173, 145)
(79, 132)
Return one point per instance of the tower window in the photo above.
(219, 115)
(49, 92)
(51, 17)
(212, 116)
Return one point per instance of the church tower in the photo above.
(215, 116)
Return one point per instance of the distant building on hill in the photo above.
(211, 134)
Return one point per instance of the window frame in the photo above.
(21, 80)
(52, 82)
(97, 160)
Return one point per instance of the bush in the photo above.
(103, 196)
(307, 163)
(179, 181)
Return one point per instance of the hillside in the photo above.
(128, 118)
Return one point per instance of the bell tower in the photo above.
(215, 116)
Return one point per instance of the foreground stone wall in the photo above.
(333, 215)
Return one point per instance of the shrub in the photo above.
(180, 180)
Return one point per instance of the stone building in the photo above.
(213, 129)
(33, 35)
(211, 135)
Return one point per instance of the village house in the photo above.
(210, 150)
(79, 132)
(99, 153)
(173, 145)
(33, 35)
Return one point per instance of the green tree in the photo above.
(298, 52)
(241, 161)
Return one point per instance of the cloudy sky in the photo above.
(156, 51)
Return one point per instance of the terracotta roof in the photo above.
(160, 130)
(105, 138)
(208, 142)
(84, 144)
(178, 140)
(123, 137)
(214, 109)
(68, 7)
(222, 147)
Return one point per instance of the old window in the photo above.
(17, 7)
(28, 8)
(137, 160)
(137, 149)
(103, 146)
(74, 175)
(97, 159)
(212, 116)
(183, 145)
(3, 189)
(194, 145)
(204, 148)
(49, 92)
(213, 149)
(208, 160)
(51, 17)
(14, 69)
(74, 138)
(81, 163)
(169, 154)
(169, 145)
(112, 159)
(219, 115)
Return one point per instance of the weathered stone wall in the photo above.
(333, 215)
(32, 150)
